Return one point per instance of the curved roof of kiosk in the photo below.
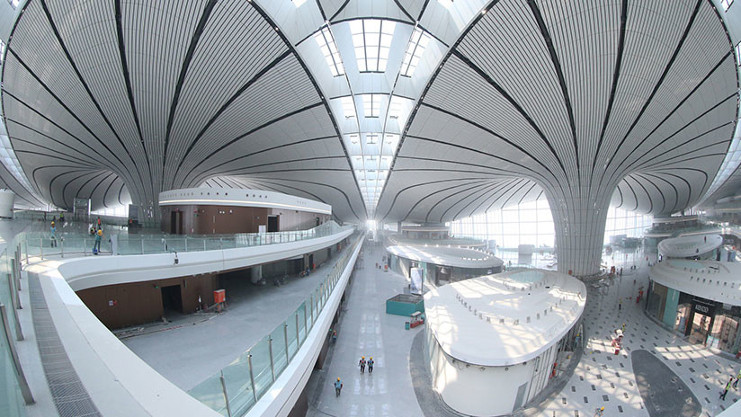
(504, 319)
(690, 245)
(446, 256)
(718, 281)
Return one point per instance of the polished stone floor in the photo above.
(601, 379)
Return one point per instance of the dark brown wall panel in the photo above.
(206, 220)
(125, 305)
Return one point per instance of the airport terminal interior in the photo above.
(344, 208)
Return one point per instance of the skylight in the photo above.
(726, 4)
(446, 3)
(372, 41)
(348, 107)
(390, 141)
(372, 105)
(738, 54)
(326, 44)
(416, 47)
(298, 3)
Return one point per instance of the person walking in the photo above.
(98, 238)
(362, 364)
(620, 304)
(725, 390)
(53, 233)
(738, 376)
(337, 387)
(370, 365)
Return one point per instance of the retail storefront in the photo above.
(698, 300)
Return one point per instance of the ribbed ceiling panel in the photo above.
(527, 73)
(572, 99)
(284, 89)
(651, 88)
(158, 95)
(585, 37)
(157, 37)
(236, 45)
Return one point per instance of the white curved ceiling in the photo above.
(116, 100)
(570, 95)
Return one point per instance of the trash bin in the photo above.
(406, 325)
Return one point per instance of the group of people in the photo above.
(363, 364)
(95, 231)
(732, 383)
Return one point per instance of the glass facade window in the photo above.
(625, 222)
(529, 223)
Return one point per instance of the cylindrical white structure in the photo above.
(500, 334)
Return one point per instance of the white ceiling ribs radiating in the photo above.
(117, 100)
(600, 97)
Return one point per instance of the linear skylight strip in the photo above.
(348, 107)
(416, 47)
(328, 47)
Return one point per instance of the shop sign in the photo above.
(702, 308)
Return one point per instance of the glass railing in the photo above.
(13, 385)
(42, 245)
(236, 388)
(84, 220)
(263, 362)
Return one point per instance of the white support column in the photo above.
(579, 222)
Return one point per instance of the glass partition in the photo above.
(250, 376)
(238, 386)
(38, 245)
(11, 396)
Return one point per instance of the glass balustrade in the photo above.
(237, 387)
(12, 381)
(251, 375)
(39, 245)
